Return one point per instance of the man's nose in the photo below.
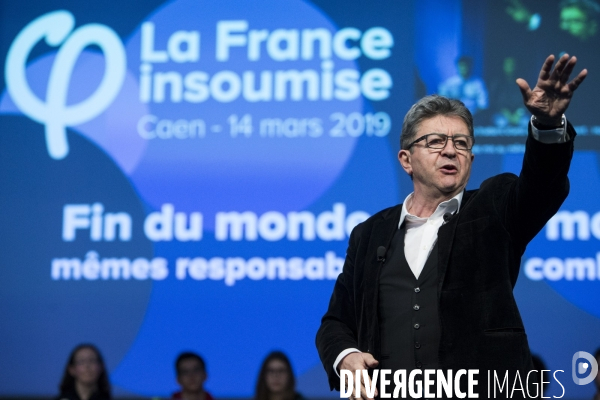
(449, 150)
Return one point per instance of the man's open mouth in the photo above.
(449, 169)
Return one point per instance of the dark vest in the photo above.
(408, 310)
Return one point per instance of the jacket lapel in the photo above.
(381, 235)
(446, 238)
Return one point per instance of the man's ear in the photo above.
(404, 157)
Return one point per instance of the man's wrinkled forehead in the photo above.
(442, 123)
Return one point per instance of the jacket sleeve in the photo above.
(526, 203)
(338, 330)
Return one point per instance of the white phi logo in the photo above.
(56, 28)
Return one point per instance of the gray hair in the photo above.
(429, 107)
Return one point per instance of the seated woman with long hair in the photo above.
(276, 379)
(85, 375)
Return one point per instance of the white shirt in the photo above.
(421, 233)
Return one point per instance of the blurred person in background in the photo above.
(579, 18)
(191, 375)
(276, 379)
(465, 87)
(85, 376)
(507, 103)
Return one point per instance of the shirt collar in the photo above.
(451, 206)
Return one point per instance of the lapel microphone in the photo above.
(381, 254)
(447, 217)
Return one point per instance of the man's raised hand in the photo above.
(551, 96)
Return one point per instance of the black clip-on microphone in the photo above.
(447, 217)
(381, 254)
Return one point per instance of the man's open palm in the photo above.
(550, 97)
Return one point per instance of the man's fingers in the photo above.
(574, 84)
(525, 89)
(359, 362)
(559, 67)
(375, 393)
(369, 360)
(566, 72)
(363, 391)
(547, 68)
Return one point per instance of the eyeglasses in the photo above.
(438, 141)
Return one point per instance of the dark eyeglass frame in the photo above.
(424, 137)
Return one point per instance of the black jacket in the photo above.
(479, 256)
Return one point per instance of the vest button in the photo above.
(418, 364)
(416, 326)
(417, 345)
(417, 290)
(416, 307)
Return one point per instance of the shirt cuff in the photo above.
(558, 135)
(341, 357)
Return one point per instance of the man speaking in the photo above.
(428, 284)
